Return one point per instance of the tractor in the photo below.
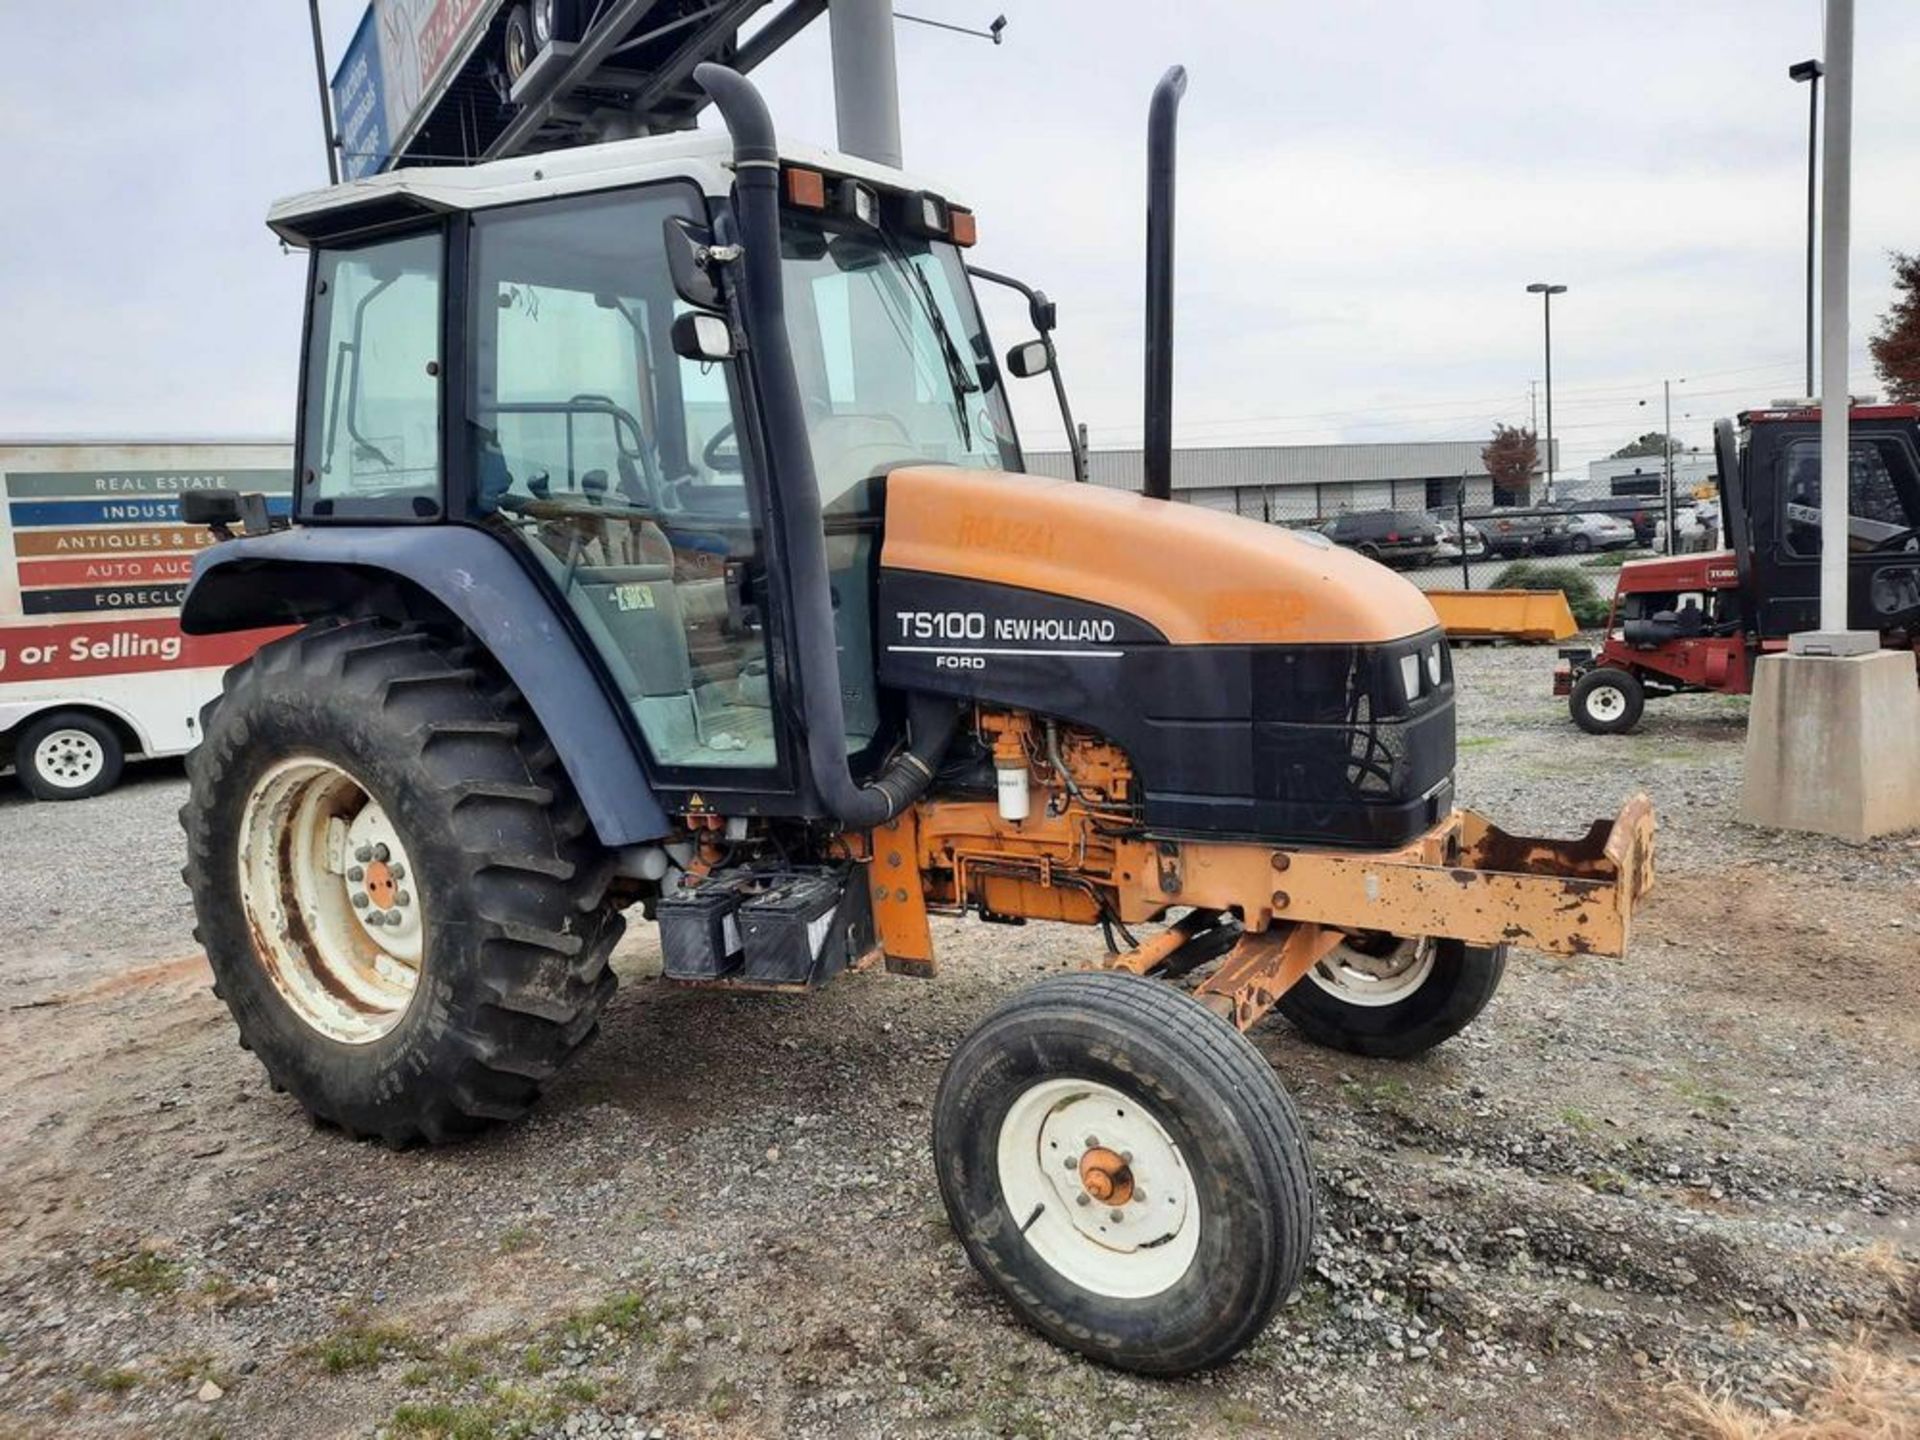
(1697, 623)
(661, 544)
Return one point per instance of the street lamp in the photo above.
(1546, 293)
(1810, 71)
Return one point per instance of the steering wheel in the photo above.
(727, 462)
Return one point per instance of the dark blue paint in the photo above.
(474, 576)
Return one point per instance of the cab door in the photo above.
(1883, 540)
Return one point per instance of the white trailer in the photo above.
(94, 560)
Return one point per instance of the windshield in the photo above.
(893, 363)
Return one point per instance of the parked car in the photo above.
(1451, 532)
(1402, 538)
(1589, 530)
(1640, 511)
(1513, 533)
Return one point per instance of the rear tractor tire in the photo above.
(1394, 998)
(403, 904)
(1607, 701)
(1124, 1167)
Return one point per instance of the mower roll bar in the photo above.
(757, 292)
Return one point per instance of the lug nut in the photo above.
(1093, 1142)
(399, 872)
(1116, 1216)
(360, 899)
(1126, 1157)
(1071, 1163)
(1083, 1199)
(356, 874)
(1139, 1196)
(363, 854)
(403, 898)
(380, 853)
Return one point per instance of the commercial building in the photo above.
(1693, 471)
(1291, 483)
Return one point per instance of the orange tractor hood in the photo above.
(1198, 576)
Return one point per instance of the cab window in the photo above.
(370, 437)
(1883, 496)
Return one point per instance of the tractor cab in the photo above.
(1770, 483)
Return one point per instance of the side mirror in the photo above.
(210, 507)
(686, 245)
(1032, 358)
(701, 335)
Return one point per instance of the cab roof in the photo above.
(703, 157)
(1810, 410)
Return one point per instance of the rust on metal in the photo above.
(899, 902)
(1263, 967)
(1106, 1176)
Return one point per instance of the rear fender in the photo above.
(300, 575)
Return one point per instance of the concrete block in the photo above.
(1833, 745)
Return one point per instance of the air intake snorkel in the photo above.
(931, 721)
(1157, 459)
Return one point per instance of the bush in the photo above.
(1588, 603)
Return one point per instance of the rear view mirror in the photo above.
(1035, 357)
(210, 507)
(686, 245)
(698, 335)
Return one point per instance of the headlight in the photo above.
(1410, 675)
(1433, 662)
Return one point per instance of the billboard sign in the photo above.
(399, 61)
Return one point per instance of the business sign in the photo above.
(401, 53)
(360, 103)
(87, 541)
(116, 647)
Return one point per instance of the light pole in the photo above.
(1546, 292)
(1810, 71)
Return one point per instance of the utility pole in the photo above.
(326, 95)
(1546, 292)
(1666, 445)
(866, 80)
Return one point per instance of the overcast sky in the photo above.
(1365, 190)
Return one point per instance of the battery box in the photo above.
(700, 931)
(806, 927)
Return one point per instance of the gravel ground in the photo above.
(1694, 1168)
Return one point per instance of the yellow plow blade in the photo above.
(1535, 616)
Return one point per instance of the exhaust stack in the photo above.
(1157, 462)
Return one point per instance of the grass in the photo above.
(628, 1312)
(516, 1238)
(1866, 1394)
(724, 1400)
(1479, 742)
(364, 1344)
(113, 1382)
(1698, 1095)
(1577, 1119)
(145, 1272)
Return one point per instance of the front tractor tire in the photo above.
(1607, 701)
(1394, 998)
(402, 901)
(1124, 1167)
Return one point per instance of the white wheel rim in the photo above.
(1098, 1188)
(1605, 702)
(331, 900)
(1370, 975)
(69, 759)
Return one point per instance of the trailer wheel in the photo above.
(68, 755)
(403, 904)
(517, 45)
(1607, 701)
(1394, 998)
(1126, 1169)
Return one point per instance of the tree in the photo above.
(1651, 443)
(1896, 349)
(1511, 457)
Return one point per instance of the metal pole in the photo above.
(1813, 141)
(1834, 400)
(1156, 461)
(1666, 448)
(1460, 531)
(866, 81)
(1546, 297)
(326, 95)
